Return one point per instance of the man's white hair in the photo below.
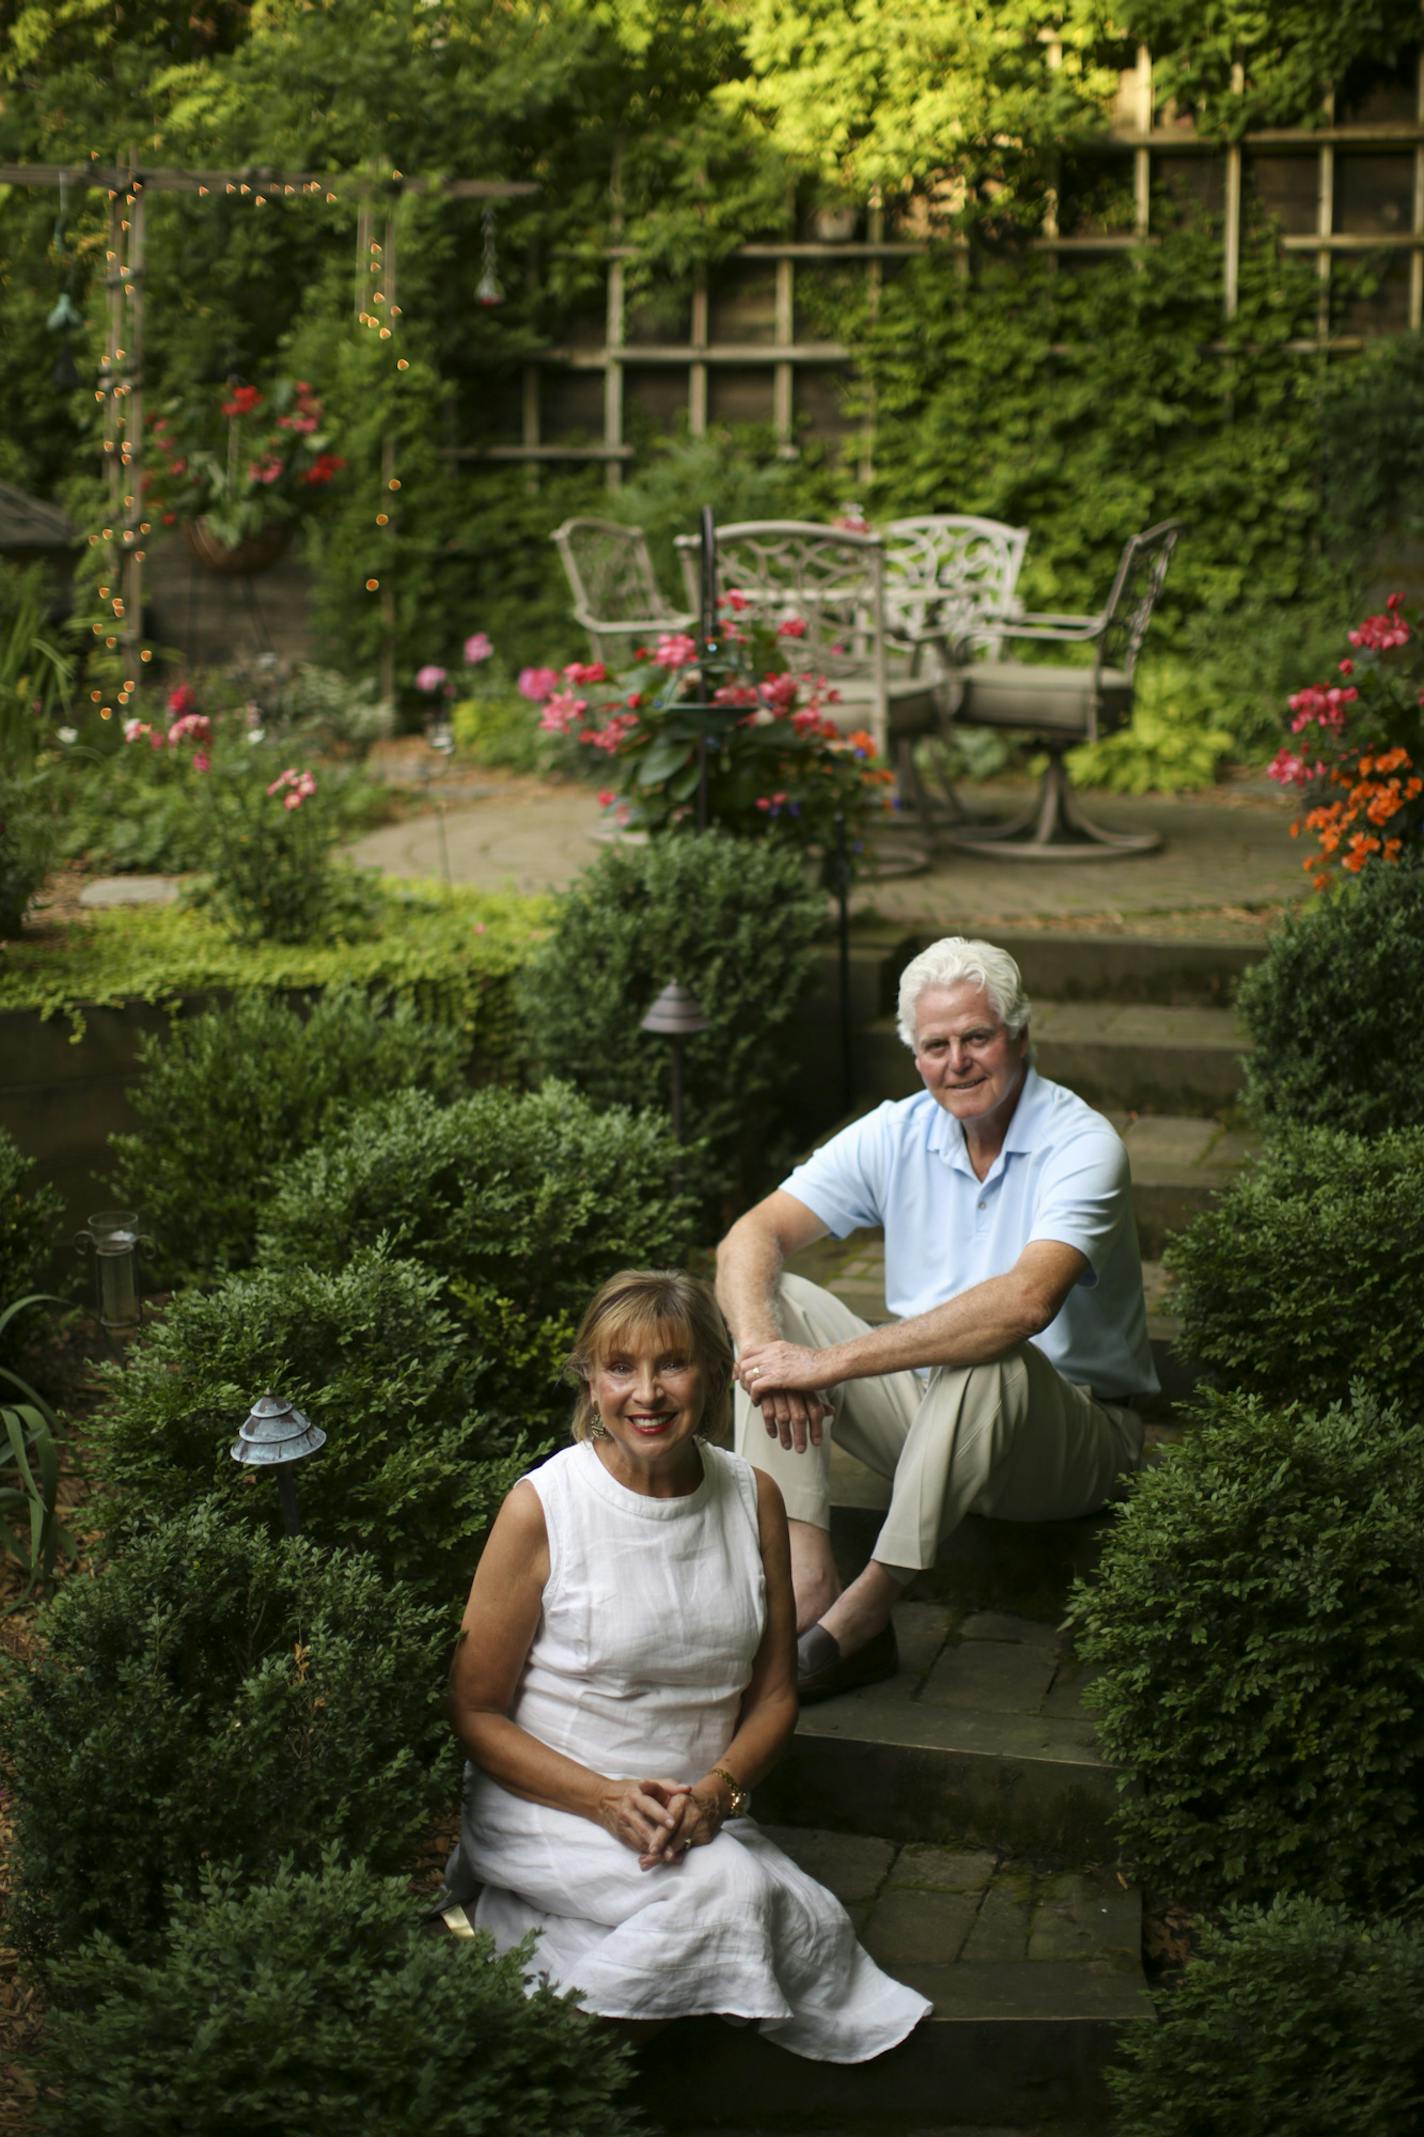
(955, 958)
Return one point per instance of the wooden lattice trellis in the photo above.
(1143, 136)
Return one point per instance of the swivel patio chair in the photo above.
(834, 582)
(1060, 706)
(616, 597)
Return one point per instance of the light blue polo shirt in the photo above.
(1062, 1174)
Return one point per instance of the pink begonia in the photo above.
(193, 727)
(736, 694)
(791, 627)
(606, 797)
(807, 721)
(585, 671)
(608, 738)
(135, 730)
(537, 683)
(1380, 633)
(182, 698)
(292, 800)
(478, 646)
(779, 692)
(1347, 667)
(562, 712)
(1316, 706)
(1289, 770)
(301, 784)
(429, 677)
(265, 470)
(735, 601)
(202, 762)
(674, 650)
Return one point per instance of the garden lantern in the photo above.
(113, 1237)
(676, 1015)
(275, 1436)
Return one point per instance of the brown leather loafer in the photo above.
(823, 1679)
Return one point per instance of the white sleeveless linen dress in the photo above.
(651, 1620)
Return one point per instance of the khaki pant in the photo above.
(1012, 1439)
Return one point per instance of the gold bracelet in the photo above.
(739, 1797)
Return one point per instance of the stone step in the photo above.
(980, 1738)
(1145, 1057)
(1033, 1973)
(1188, 971)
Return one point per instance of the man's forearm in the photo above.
(980, 1324)
(749, 1265)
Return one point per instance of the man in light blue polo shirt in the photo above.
(1006, 1383)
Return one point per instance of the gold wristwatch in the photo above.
(740, 1799)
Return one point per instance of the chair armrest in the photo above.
(633, 626)
(1047, 629)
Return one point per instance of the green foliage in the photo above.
(1338, 1029)
(1372, 427)
(1303, 1278)
(1296, 2017)
(1291, 53)
(703, 911)
(1256, 1627)
(317, 2001)
(452, 952)
(498, 730)
(411, 1471)
(31, 1531)
(525, 1202)
(30, 1218)
(215, 1696)
(1084, 406)
(734, 468)
(28, 840)
(228, 1098)
(1175, 739)
(36, 674)
(270, 856)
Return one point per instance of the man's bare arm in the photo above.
(749, 1265)
(978, 1325)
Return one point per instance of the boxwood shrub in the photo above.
(228, 1098)
(312, 2002)
(735, 921)
(216, 1695)
(1257, 1623)
(525, 1202)
(1336, 1008)
(1305, 1276)
(412, 1471)
(1296, 2019)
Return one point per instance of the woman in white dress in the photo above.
(625, 1676)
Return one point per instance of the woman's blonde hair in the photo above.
(678, 1312)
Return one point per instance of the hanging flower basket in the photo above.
(254, 553)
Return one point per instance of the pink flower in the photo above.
(537, 683)
(606, 797)
(478, 646)
(736, 602)
(202, 762)
(791, 627)
(585, 671)
(265, 470)
(779, 692)
(135, 730)
(736, 694)
(807, 721)
(1347, 667)
(1288, 770)
(674, 650)
(292, 800)
(561, 712)
(182, 699)
(429, 678)
(193, 727)
(1380, 633)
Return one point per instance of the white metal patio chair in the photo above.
(833, 581)
(616, 596)
(1060, 706)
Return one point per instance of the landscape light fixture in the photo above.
(275, 1435)
(676, 1015)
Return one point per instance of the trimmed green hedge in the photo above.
(213, 1696)
(1304, 1277)
(314, 2003)
(1257, 1623)
(412, 1471)
(452, 952)
(735, 921)
(524, 1202)
(227, 1099)
(30, 1218)
(1297, 2020)
(1336, 1008)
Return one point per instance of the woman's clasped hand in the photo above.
(659, 1820)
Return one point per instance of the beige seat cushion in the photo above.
(1041, 699)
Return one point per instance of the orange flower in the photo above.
(1392, 760)
(1392, 848)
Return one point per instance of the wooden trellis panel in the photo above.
(727, 353)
